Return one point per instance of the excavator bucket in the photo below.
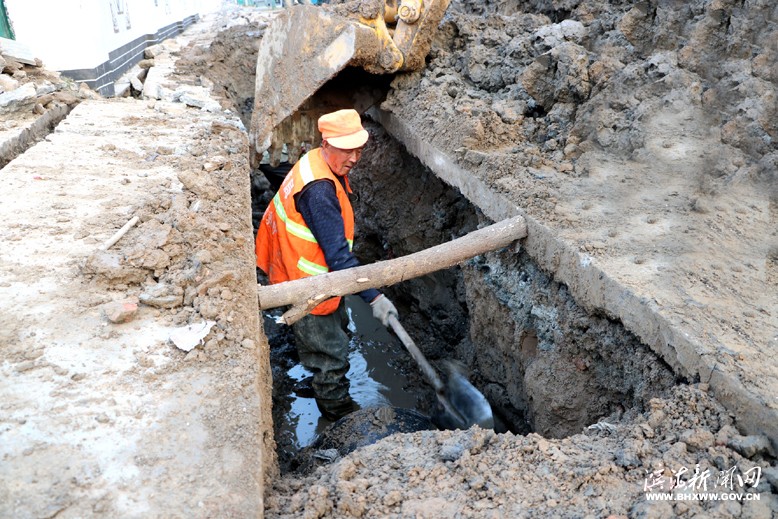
(316, 59)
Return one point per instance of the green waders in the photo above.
(322, 345)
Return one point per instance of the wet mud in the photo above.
(378, 377)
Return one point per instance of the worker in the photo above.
(308, 229)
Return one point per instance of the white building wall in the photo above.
(79, 34)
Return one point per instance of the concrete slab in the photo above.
(100, 412)
(97, 416)
(18, 51)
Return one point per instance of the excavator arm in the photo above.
(313, 60)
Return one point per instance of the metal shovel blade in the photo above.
(470, 404)
(461, 404)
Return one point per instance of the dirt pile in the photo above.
(544, 94)
(557, 82)
(603, 471)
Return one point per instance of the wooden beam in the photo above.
(304, 294)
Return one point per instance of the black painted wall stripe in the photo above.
(120, 60)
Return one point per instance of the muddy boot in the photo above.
(334, 410)
(322, 345)
(304, 388)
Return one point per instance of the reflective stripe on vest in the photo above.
(311, 268)
(301, 231)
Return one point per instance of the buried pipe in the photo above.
(306, 293)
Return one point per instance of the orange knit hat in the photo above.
(343, 129)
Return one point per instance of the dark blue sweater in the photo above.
(319, 205)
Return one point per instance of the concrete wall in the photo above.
(95, 41)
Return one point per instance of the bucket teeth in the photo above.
(294, 151)
(296, 135)
(276, 152)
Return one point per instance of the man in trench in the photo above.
(308, 229)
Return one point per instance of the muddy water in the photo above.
(376, 376)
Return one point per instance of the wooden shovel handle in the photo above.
(418, 356)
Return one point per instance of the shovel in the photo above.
(463, 405)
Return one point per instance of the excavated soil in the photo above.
(479, 473)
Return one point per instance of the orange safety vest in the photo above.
(285, 247)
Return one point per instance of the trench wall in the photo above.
(544, 363)
(543, 358)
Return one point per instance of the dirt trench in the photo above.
(450, 310)
(592, 415)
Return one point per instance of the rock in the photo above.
(572, 72)
(556, 34)
(155, 259)
(206, 83)
(58, 97)
(136, 83)
(702, 206)
(214, 163)
(196, 96)
(535, 81)
(562, 75)
(146, 63)
(45, 88)
(7, 83)
(451, 451)
(11, 65)
(200, 184)
(22, 94)
(18, 52)
(510, 110)
(153, 51)
(120, 311)
(697, 439)
(87, 93)
(24, 366)
(162, 296)
(627, 458)
(656, 418)
(33, 354)
(749, 446)
(209, 310)
(110, 266)
(633, 24)
(725, 434)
